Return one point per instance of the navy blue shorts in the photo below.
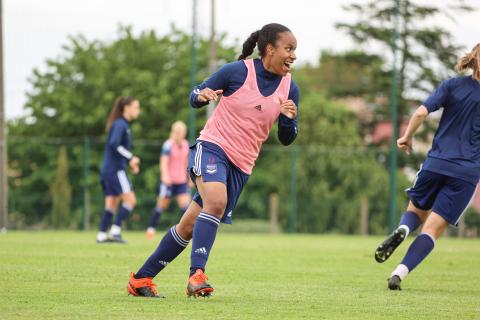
(165, 191)
(115, 183)
(447, 196)
(211, 163)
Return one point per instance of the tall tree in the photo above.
(427, 50)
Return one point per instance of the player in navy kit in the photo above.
(255, 94)
(448, 177)
(117, 156)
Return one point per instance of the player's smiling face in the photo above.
(282, 55)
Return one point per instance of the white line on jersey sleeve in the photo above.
(124, 152)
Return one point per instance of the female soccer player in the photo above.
(448, 177)
(255, 94)
(174, 179)
(117, 156)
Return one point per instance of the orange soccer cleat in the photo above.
(198, 286)
(143, 287)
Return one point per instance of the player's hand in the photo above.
(134, 164)
(288, 108)
(405, 144)
(208, 94)
(134, 169)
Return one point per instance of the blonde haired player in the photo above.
(174, 181)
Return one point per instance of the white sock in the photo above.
(150, 230)
(406, 228)
(401, 270)
(115, 230)
(101, 236)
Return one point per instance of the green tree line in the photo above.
(71, 98)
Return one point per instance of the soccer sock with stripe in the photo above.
(203, 237)
(122, 214)
(168, 249)
(156, 214)
(418, 250)
(409, 222)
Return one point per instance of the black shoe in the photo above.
(117, 238)
(394, 283)
(385, 250)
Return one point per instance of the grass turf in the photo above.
(66, 275)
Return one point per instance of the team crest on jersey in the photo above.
(211, 168)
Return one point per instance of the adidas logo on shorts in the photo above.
(163, 263)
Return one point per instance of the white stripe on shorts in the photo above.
(163, 191)
(415, 179)
(197, 168)
(124, 184)
(468, 205)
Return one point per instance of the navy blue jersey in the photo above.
(232, 76)
(117, 148)
(456, 146)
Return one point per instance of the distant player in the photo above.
(256, 93)
(174, 179)
(448, 177)
(117, 157)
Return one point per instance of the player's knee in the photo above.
(131, 201)
(215, 207)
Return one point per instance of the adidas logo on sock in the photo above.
(201, 250)
(163, 263)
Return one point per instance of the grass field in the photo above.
(66, 275)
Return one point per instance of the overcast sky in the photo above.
(35, 30)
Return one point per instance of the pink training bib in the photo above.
(242, 121)
(178, 161)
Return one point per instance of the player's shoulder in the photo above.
(120, 123)
(454, 82)
(233, 67)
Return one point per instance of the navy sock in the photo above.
(106, 220)
(204, 232)
(168, 249)
(156, 214)
(418, 250)
(411, 220)
(122, 214)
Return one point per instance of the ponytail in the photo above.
(267, 35)
(470, 61)
(249, 45)
(117, 109)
